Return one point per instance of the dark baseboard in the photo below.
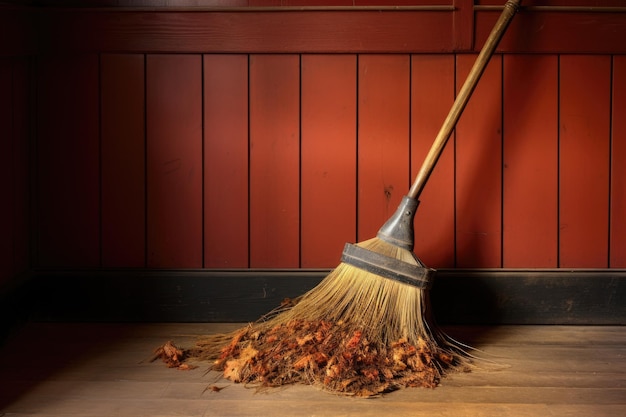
(495, 296)
(581, 297)
(14, 305)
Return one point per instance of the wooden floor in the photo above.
(103, 370)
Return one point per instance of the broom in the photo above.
(367, 328)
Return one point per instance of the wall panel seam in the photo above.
(202, 167)
(610, 157)
(357, 133)
(145, 158)
(300, 160)
(100, 169)
(558, 162)
(502, 160)
(249, 248)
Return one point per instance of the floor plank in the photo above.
(93, 370)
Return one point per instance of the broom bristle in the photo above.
(354, 333)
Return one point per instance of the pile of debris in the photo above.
(333, 356)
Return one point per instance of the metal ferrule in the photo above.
(398, 230)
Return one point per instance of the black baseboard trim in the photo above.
(14, 305)
(485, 296)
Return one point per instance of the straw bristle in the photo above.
(354, 333)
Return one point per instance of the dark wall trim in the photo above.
(327, 30)
(251, 32)
(595, 297)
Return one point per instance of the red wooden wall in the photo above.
(14, 168)
(275, 161)
(16, 47)
(221, 138)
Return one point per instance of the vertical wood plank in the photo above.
(478, 169)
(432, 95)
(274, 161)
(463, 24)
(328, 157)
(584, 161)
(383, 139)
(7, 231)
(530, 161)
(618, 167)
(226, 161)
(22, 110)
(123, 160)
(174, 160)
(68, 188)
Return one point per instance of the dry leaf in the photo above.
(232, 369)
(170, 354)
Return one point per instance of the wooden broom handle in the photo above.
(510, 8)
